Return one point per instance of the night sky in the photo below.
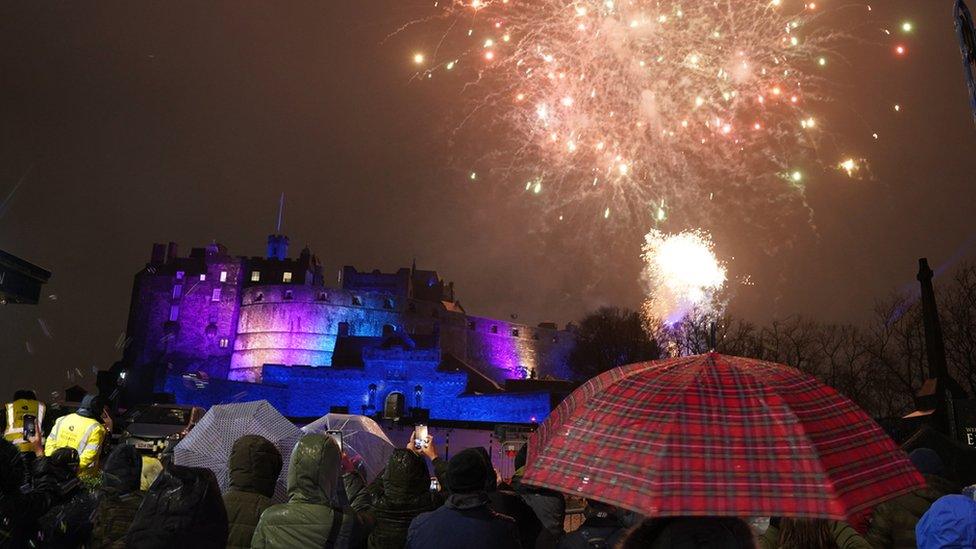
(137, 122)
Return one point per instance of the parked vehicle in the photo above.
(152, 428)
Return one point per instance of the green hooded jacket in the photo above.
(893, 522)
(253, 466)
(307, 519)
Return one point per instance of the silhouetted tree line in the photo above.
(879, 364)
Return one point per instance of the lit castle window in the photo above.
(203, 277)
(223, 276)
(286, 278)
(255, 276)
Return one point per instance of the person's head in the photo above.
(254, 465)
(123, 470)
(314, 470)
(491, 481)
(690, 533)
(810, 532)
(406, 474)
(24, 394)
(927, 461)
(949, 522)
(466, 472)
(93, 406)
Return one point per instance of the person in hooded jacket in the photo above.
(118, 499)
(312, 517)
(505, 501)
(549, 505)
(893, 521)
(949, 523)
(400, 494)
(182, 509)
(67, 524)
(20, 508)
(86, 431)
(465, 521)
(254, 466)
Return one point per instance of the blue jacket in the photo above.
(949, 523)
(464, 522)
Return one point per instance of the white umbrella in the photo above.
(209, 443)
(361, 436)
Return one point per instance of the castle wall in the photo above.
(302, 330)
(310, 392)
(516, 349)
(180, 319)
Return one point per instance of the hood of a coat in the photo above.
(491, 482)
(254, 465)
(406, 475)
(950, 522)
(123, 470)
(313, 472)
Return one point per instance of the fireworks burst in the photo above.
(681, 275)
(610, 108)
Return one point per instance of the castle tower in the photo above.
(277, 242)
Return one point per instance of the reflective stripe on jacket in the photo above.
(14, 429)
(81, 433)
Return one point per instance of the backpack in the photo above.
(183, 508)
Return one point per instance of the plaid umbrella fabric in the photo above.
(361, 436)
(713, 435)
(209, 443)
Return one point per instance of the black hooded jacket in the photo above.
(20, 510)
(505, 501)
(67, 524)
(182, 509)
(119, 497)
(400, 494)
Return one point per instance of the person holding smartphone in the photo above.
(402, 492)
(24, 415)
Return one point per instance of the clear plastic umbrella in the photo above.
(209, 443)
(361, 436)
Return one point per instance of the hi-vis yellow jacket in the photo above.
(14, 429)
(81, 433)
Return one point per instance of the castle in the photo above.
(210, 328)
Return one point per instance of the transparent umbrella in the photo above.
(361, 436)
(209, 443)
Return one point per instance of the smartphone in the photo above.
(336, 436)
(420, 436)
(434, 485)
(30, 427)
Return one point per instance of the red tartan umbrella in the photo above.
(714, 435)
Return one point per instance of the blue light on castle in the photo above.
(212, 328)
